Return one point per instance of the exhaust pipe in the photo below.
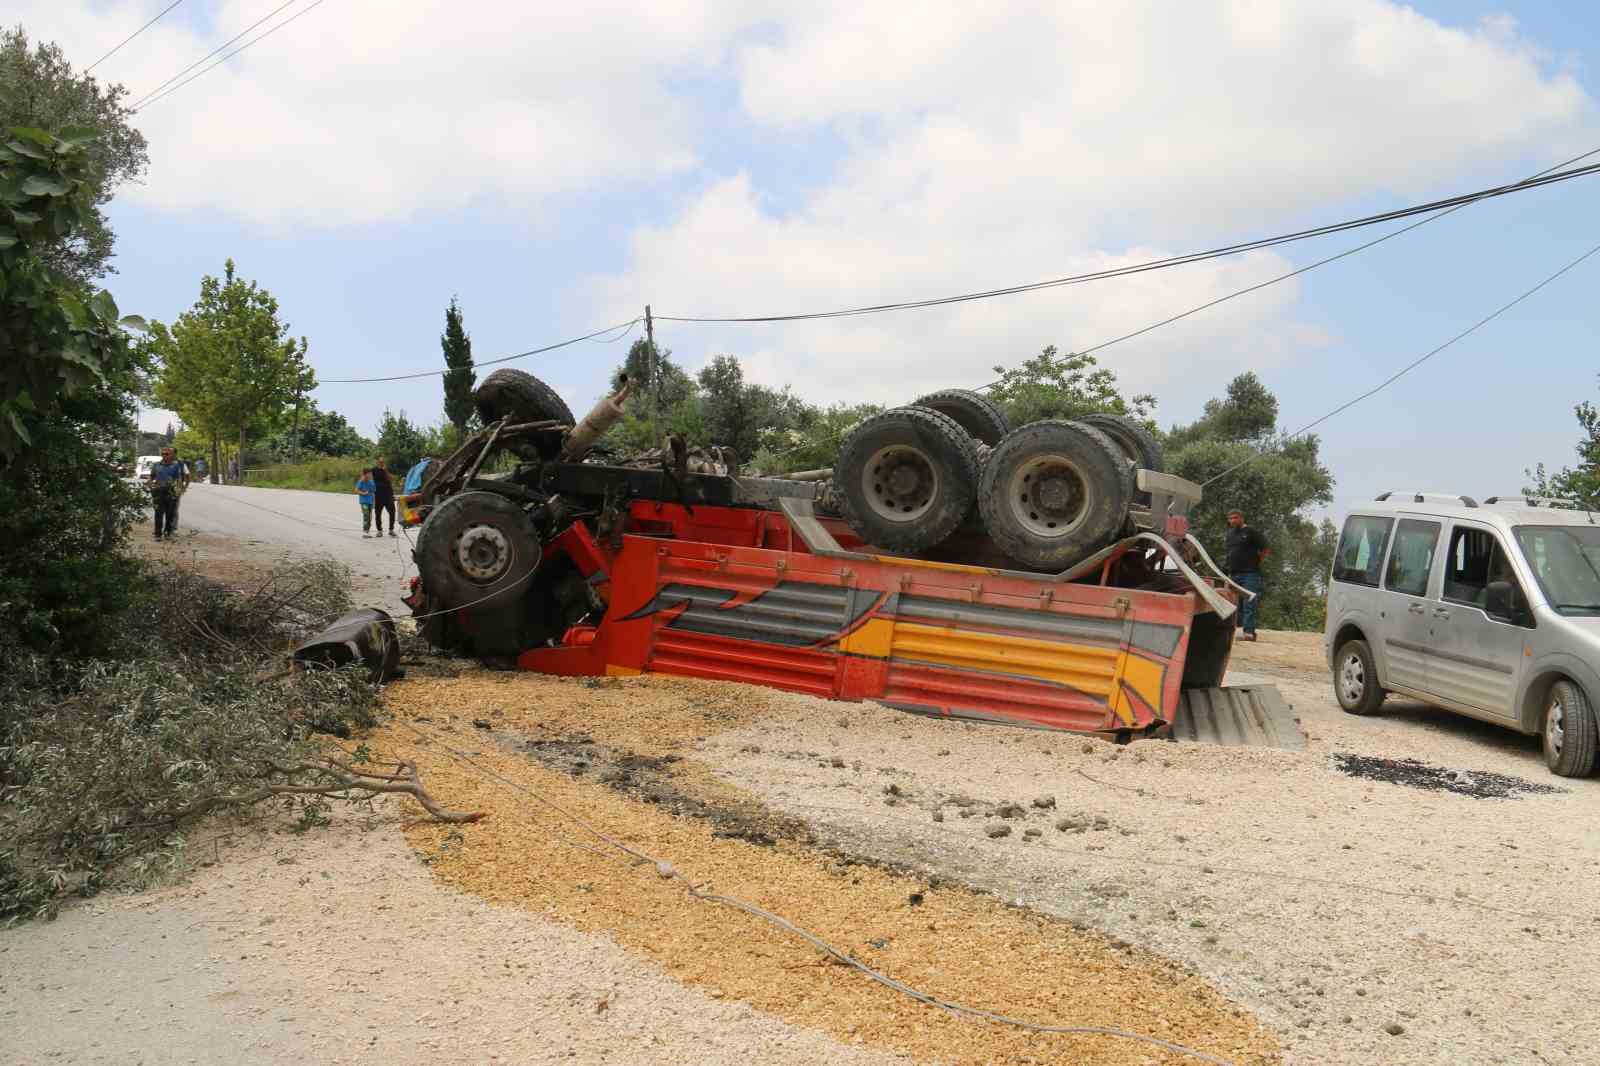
(607, 413)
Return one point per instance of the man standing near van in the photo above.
(1246, 548)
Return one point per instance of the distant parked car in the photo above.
(1490, 610)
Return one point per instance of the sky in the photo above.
(558, 167)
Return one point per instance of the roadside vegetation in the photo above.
(325, 474)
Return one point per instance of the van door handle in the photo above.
(1416, 608)
(1441, 612)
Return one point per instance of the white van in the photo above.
(1488, 609)
(143, 466)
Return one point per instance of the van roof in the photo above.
(1503, 511)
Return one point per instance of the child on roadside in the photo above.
(365, 487)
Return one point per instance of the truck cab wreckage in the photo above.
(946, 565)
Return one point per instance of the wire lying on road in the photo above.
(666, 870)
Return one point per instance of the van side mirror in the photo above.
(1503, 600)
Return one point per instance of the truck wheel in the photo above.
(476, 547)
(1569, 731)
(1053, 493)
(1355, 679)
(906, 478)
(980, 416)
(521, 397)
(1133, 438)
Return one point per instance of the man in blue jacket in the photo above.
(168, 479)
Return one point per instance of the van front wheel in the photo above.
(1569, 731)
(1355, 679)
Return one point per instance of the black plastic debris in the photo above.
(366, 636)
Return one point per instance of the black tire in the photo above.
(1134, 439)
(521, 397)
(1355, 679)
(980, 416)
(475, 553)
(1086, 473)
(1568, 731)
(1131, 436)
(925, 503)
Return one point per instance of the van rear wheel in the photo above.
(1569, 732)
(1355, 679)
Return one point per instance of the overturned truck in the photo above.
(946, 564)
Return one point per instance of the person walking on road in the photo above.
(233, 471)
(383, 495)
(1246, 547)
(168, 479)
(365, 487)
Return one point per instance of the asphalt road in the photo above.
(304, 524)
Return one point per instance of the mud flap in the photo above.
(366, 636)
(1254, 716)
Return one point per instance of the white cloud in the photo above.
(361, 113)
(1002, 143)
(985, 144)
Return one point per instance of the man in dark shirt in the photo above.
(168, 478)
(383, 495)
(1245, 549)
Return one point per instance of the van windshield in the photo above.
(1566, 560)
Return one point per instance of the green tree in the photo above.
(401, 442)
(228, 365)
(812, 443)
(1056, 384)
(38, 89)
(1284, 477)
(1576, 484)
(67, 378)
(321, 433)
(459, 379)
(738, 414)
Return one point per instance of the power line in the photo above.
(622, 329)
(211, 53)
(131, 36)
(1409, 367)
(1544, 177)
(161, 93)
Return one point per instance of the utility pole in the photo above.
(655, 370)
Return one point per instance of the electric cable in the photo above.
(1408, 368)
(131, 36)
(162, 94)
(211, 53)
(625, 327)
(1544, 177)
(1320, 262)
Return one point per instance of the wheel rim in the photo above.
(482, 553)
(1353, 679)
(1049, 496)
(900, 483)
(1555, 726)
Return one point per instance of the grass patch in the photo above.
(328, 474)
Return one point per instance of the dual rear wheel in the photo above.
(1049, 493)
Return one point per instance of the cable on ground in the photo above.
(666, 870)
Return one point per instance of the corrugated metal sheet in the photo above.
(1241, 716)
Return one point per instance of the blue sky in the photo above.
(558, 170)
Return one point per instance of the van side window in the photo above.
(1411, 559)
(1359, 559)
(1476, 558)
